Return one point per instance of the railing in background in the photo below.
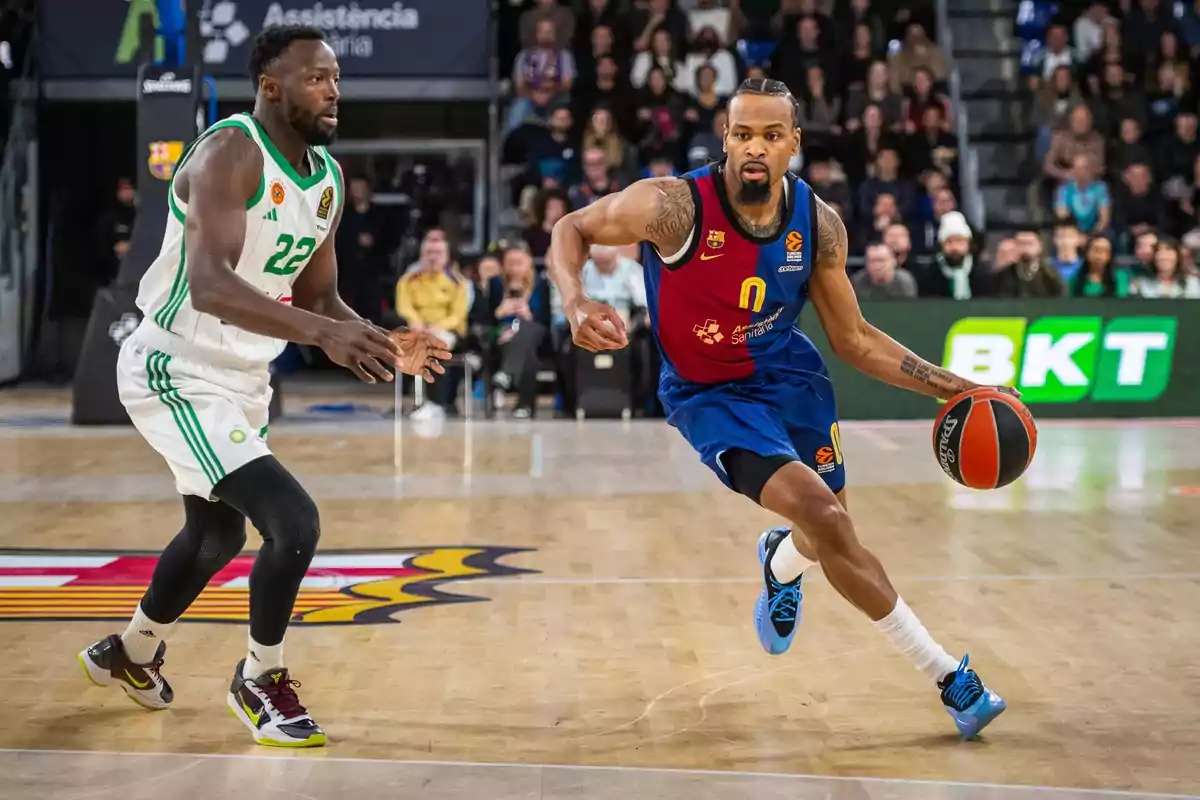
(19, 203)
(968, 160)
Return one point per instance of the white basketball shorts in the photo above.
(204, 420)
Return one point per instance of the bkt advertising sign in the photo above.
(372, 38)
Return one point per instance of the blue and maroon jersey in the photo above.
(725, 307)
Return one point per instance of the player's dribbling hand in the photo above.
(596, 326)
(421, 353)
(360, 347)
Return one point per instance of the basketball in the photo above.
(984, 438)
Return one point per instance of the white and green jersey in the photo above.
(287, 219)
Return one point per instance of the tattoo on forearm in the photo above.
(831, 238)
(930, 375)
(673, 215)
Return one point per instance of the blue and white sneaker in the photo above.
(777, 612)
(971, 704)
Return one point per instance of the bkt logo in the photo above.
(1064, 359)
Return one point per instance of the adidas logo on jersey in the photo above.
(271, 216)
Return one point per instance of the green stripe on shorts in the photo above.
(184, 416)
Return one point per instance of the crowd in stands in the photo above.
(1117, 142)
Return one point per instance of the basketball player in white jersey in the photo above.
(247, 264)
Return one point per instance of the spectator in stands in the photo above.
(1143, 254)
(521, 312)
(886, 180)
(921, 96)
(882, 279)
(857, 62)
(542, 73)
(1129, 147)
(1169, 279)
(1177, 156)
(820, 114)
(1164, 100)
(877, 92)
(1099, 276)
(878, 217)
(559, 16)
(1184, 201)
(860, 13)
(553, 151)
(661, 54)
(863, 146)
(361, 244)
(954, 272)
(831, 187)
(1089, 30)
(1136, 208)
(942, 203)
(609, 89)
(1008, 252)
(1084, 199)
(551, 206)
(1189, 26)
(1068, 256)
(707, 49)
(898, 239)
(1057, 53)
(1144, 25)
(793, 57)
(1065, 145)
(597, 180)
(601, 133)
(723, 19)
(702, 104)
(705, 146)
(1169, 52)
(931, 147)
(916, 53)
(481, 318)
(1050, 107)
(660, 117)
(1116, 99)
(602, 44)
(1030, 275)
(657, 14)
(601, 13)
(435, 296)
(114, 231)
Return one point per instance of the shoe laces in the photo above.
(283, 697)
(785, 601)
(965, 689)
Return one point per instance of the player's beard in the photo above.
(753, 193)
(309, 128)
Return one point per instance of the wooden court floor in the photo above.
(563, 610)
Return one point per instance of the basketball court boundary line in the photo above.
(1034, 578)
(797, 776)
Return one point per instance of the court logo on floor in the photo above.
(366, 587)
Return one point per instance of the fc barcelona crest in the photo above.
(716, 240)
(163, 158)
(326, 203)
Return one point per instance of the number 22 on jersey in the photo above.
(284, 246)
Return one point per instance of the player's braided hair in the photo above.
(772, 88)
(273, 41)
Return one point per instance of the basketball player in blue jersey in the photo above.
(730, 252)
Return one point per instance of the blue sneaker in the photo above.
(968, 701)
(777, 611)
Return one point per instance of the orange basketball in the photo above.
(984, 438)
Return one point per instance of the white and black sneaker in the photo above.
(106, 664)
(269, 707)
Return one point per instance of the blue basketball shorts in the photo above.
(791, 416)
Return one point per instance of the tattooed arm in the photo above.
(656, 210)
(853, 339)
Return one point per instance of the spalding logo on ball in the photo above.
(984, 438)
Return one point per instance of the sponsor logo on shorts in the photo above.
(709, 332)
(237, 436)
(826, 459)
(359, 587)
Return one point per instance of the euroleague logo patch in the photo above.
(340, 587)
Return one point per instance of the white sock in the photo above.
(788, 563)
(905, 631)
(142, 637)
(261, 658)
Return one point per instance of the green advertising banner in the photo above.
(1068, 357)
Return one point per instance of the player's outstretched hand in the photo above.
(421, 353)
(596, 326)
(360, 347)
